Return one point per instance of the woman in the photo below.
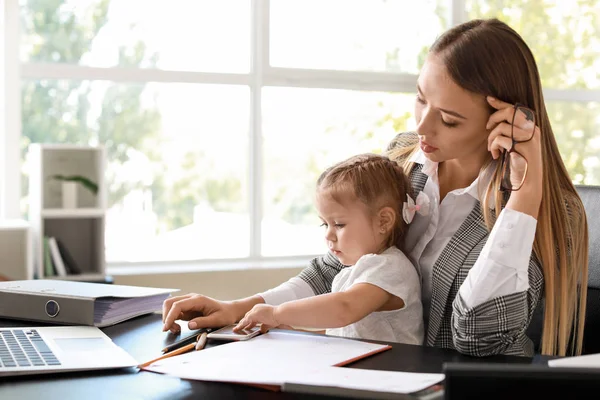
(506, 225)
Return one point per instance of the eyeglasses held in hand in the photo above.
(514, 165)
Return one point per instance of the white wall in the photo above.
(223, 285)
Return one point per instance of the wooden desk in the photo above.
(142, 338)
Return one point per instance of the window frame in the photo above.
(261, 75)
(10, 112)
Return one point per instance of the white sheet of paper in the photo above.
(365, 379)
(275, 348)
(585, 361)
(278, 357)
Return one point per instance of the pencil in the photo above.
(187, 340)
(177, 352)
(202, 338)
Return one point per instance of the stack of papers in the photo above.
(292, 358)
(111, 310)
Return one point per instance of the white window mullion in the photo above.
(265, 34)
(120, 74)
(347, 80)
(270, 76)
(572, 95)
(10, 112)
(458, 12)
(260, 58)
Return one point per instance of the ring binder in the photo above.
(77, 303)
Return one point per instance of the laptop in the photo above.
(42, 350)
(483, 380)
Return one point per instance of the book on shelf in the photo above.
(58, 261)
(69, 261)
(48, 265)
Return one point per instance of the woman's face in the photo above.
(450, 120)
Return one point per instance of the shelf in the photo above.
(16, 257)
(64, 147)
(81, 277)
(14, 224)
(79, 229)
(75, 213)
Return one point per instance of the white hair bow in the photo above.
(411, 207)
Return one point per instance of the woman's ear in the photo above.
(386, 218)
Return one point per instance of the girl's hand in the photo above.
(263, 314)
(499, 140)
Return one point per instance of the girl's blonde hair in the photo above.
(373, 179)
(506, 69)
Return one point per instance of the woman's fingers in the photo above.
(502, 129)
(195, 303)
(524, 119)
(506, 130)
(499, 140)
(175, 328)
(497, 104)
(516, 126)
(169, 302)
(521, 117)
(499, 145)
(504, 115)
(200, 311)
(209, 321)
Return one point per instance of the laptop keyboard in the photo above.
(24, 348)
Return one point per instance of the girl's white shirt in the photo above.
(502, 266)
(393, 272)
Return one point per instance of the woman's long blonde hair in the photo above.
(490, 58)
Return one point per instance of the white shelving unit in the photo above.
(16, 260)
(79, 229)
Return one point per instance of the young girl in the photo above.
(378, 296)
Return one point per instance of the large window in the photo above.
(356, 35)
(303, 130)
(218, 116)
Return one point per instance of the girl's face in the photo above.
(351, 230)
(450, 120)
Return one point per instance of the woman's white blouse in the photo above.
(502, 266)
(501, 269)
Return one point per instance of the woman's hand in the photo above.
(529, 196)
(263, 314)
(202, 311)
(499, 140)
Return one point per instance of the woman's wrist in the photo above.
(242, 306)
(526, 200)
(277, 315)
